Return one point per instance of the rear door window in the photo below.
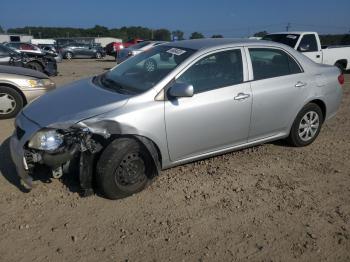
(269, 63)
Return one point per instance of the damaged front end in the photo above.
(59, 149)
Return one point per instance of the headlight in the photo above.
(47, 140)
(40, 82)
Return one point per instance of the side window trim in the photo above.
(250, 64)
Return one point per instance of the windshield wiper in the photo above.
(111, 84)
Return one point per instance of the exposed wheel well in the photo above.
(322, 105)
(342, 62)
(148, 143)
(18, 90)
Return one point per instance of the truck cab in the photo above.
(309, 44)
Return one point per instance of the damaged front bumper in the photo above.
(78, 145)
(17, 143)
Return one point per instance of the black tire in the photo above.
(98, 55)
(68, 55)
(124, 168)
(17, 102)
(35, 66)
(340, 66)
(295, 137)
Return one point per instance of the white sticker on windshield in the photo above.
(292, 36)
(176, 51)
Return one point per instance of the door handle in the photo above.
(241, 96)
(318, 56)
(300, 84)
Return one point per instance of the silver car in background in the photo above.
(136, 49)
(19, 86)
(201, 98)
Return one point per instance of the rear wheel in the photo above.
(150, 65)
(306, 126)
(124, 168)
(98, 55)
(69, 55)
(11, 102)
(35, 66)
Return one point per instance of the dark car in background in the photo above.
(36, 61)
(51, 50)
(80, 50)
(32, 49)
(114, 48)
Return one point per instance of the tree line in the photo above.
(124, 33)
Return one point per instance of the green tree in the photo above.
(217, 36)
(1, 30)
(179, 35)
(196, 35)
(162, 35)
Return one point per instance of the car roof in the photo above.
(209, 43)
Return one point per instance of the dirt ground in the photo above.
(267, 203)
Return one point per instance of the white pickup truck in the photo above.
(310, 45)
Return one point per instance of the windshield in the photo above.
(9, 50)
(287, 39)
(142, 72)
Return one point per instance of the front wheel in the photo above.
(124, 168)
(11, 102)
(306, 126)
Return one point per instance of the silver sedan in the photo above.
(176, 103)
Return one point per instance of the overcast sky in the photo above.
(227, 17)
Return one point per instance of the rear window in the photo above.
(309, 43)
(269, 63)
(287, 39)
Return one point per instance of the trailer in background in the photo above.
(7, 38)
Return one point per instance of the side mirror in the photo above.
(181, 90)
(304, 48)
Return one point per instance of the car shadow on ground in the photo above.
(8, 171)
(281, 143)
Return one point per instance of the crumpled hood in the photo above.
(72, 103)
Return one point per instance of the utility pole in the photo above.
(288, 27)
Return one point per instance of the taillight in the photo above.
(341, 79)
